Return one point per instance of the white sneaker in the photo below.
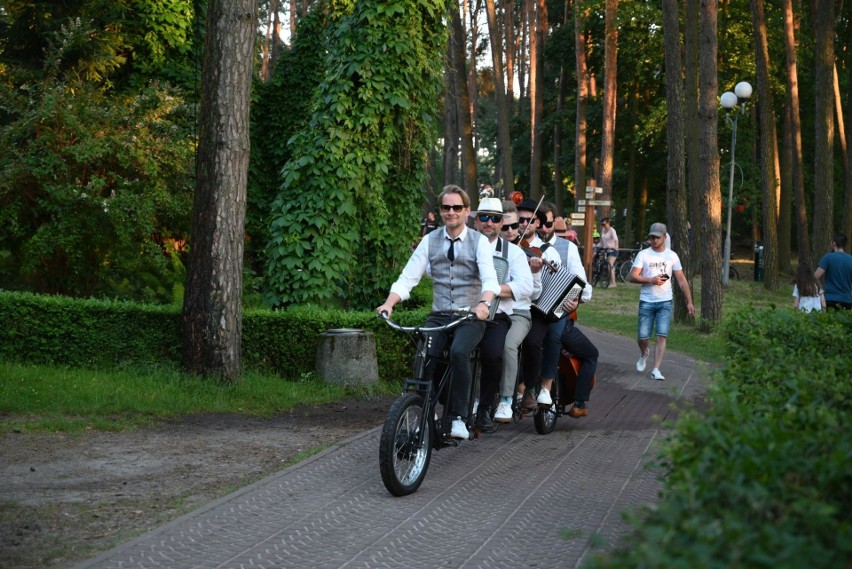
(503, 413)
(544, 397)
(640, 365)
(459, 429)
(655, 374)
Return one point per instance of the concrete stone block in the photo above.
(347, 356)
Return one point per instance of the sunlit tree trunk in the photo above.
(711, 214)
(536, 96)
(609, 99)
(504, 142)
(676, 195)
(212, 309)
(582, 98)
(451, 122)
(847, 210)
(558, 185)
(824, 127)
(463, 104)
(769, 175)
(293, 20)
(691, 129)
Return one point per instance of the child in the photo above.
(807, 295)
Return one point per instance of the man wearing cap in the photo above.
(516, 282)
(462, 269)
(653, 268)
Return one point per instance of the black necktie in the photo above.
(451, 253)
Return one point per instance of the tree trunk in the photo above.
(691, 130)
(471, 39)
(676, 195)
(582, 96)
(212, 309)
(711, 214)
(293, 19)
(609, 100)
(451, 122)
(847, 209)
(785, 205)
(558, 186)
(504, 140)
(536, 98)
(824, 128)
(797, 165)
(769, 176)
(463, 104)
(509, 38)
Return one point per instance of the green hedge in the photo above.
(763, 478)
(57, 330)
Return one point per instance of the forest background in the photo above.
(370, 107)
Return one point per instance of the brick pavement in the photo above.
(509, 499)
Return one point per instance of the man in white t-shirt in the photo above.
(653, 268)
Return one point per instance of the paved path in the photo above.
(510, 499)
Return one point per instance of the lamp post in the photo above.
(735, 101)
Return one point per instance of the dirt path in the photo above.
(64, 498)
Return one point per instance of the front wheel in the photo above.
(404, 452)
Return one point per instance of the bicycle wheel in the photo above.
(733, 274)
(545, 417)
(624, 271)
(402, 461)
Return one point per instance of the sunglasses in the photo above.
(483, 217)
(547, 224)
(524, 219)
(455, 208)
(509, 226)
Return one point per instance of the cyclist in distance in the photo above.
(459, 261)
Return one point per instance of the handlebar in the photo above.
(464, 315)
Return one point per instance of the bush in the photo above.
(764, 477)
(57, 330)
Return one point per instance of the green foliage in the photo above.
(95, 189)
(349, 201)
(279, 108)
(54, 330)
(764, 477)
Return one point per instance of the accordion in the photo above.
(557, 287)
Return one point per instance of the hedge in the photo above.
(57, 330)
(763, 478)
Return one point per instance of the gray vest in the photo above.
(562, 247)
(455, 284)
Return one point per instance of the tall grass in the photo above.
(50, 398)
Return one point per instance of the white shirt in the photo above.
(808, 303)
(418, 264)
(653, 264)
(519, 278)
(574, 265)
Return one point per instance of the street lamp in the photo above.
(730, 101)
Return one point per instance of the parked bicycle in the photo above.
(413, 427)
(600, 269)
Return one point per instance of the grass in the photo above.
(43, 398)
(615, 310)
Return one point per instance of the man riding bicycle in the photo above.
(459, 260)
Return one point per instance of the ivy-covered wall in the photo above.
(347, 211)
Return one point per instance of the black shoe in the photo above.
(484, 422)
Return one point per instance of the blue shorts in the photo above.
(654, 314)
(611, 253)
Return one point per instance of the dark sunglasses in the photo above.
(547, 224)
(455, 208)
(483, 217)
(509, 226)
(524, 219)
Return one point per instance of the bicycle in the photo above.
(413, 428)
(600, 269)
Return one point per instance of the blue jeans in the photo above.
(656, 315)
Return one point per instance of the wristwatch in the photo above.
(486, 303)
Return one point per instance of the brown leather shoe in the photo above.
(577, 413)
(529, 401)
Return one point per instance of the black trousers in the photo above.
(491, 358)
(574, 341)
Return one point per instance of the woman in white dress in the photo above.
(807, 294)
